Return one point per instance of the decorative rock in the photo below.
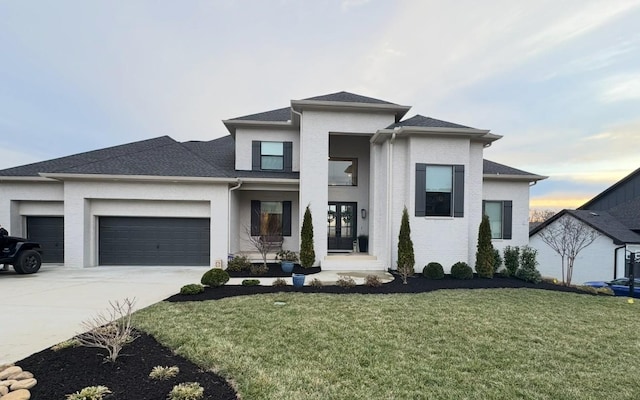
(21, 394)
(9, 371)
(21, 375)
(5, 366)
(8, 382)
(3, 390)
(24, 384)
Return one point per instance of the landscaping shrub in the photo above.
(406, 257)
(192, 288)
(215, 277)
(346, 282)
(485, 258)
(372, 281)
(250, 282)
(307, 253)
(186, 391)
(497, 261)
(511, 260)
(605, 290)
(163, 373)
(279, 282)
(461, 270)
(259, 269)
(66, 344)
(433, 270)
(239, 263)
(527, 271)
(315, 282)
(90, 393)
(287, 255)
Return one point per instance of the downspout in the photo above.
(299, 114)
(615, 259)
(390, 195)
(237, 186)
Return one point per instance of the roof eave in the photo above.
(482, 135)
(398, 110)
(135, 178)
(514, 177)
(24, 179)
(232, 124)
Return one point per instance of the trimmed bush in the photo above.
(485, 259)
(406, 257)
(90, 393)
(315, 282)
(250, 282)
(497, 261)
(192, 288)
(186, 391)
(215, 277)
(527, 271)
(307, 253)
(461, 270)
(346, 282)
(239, 263)
(163, 373)
(433, 270)
(279, 282)
(372, 281)
(511, 260)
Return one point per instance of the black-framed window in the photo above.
(271, 156)
(439, 190)
(270, 218)
(500, 213)
(343, 171)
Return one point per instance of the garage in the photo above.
(153, 241)
(49, 232)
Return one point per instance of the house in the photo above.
(615, 215)
(354, 160)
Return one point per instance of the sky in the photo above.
(560, 80)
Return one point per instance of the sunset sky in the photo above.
(559, 80)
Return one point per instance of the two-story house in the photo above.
(354, 160)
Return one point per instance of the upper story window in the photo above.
(271, 156)
(343, 171)
(500, 217)
(439, 190)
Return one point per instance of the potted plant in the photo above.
(363, 243)
(287, 258)
(298, 280)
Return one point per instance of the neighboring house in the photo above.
(352, 159)
(615, 214)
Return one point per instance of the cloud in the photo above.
(621, 88)
(559, 200)
(346, 5)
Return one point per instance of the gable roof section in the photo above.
(279, 115)
(624, 190)
(602, 222)
(494, 170)
(422, 121)
(628, 213)
(346, 97)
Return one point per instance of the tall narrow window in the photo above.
(343, 171)
(493, 210)
(271, 218)
(272, 156)
(439, 190)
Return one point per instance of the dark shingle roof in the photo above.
(628, 213)
(279, 115)
(493, 168)
(422, 121)
(601, 221)
(348, 98)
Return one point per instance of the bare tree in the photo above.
(268, 240)
(540, 215)
(568, 237)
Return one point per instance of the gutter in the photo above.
(615, 259)
(139, 178)
(237, 186)
(390, 197)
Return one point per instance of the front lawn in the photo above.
(449, 344)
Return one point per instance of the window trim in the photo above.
(507, 218)
(256, 156)
(354, 177)
(457, 201)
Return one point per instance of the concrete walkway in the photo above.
(46, 308)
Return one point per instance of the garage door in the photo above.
(49, 232)
(153, 241)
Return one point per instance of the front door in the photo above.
(341, 222)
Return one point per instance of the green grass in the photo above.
(455, 344)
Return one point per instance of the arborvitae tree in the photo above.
(485, 257)
(307, 253)
(406, 258)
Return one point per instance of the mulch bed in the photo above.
(69, 370)
(275, 271)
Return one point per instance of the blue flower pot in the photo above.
(298, 280)
(287, 266)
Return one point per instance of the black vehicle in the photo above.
(23, 254)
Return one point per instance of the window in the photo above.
(271, 156)
(343, 171)
(271, 218)
(439, 190)
(500, 217)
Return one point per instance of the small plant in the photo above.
(110, 331)
(497, 261)
(315, 282)
(461, 270)
(372, 281)
(527, 271)
(605, 290)
(259, 269)
(250, 282)
(279, 282)
(239, 263)
(192, 288)
(89, 393)
(215, 277)
(66, 344)
(186, 391)
(346, 282)
(433, 270)
(287, 255)
(511, 260)
(163, 373)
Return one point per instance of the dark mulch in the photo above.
(275, 270)
(68, 371)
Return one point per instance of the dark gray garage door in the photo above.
(49, 232)
(153, 241)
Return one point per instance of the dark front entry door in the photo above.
(341, 221)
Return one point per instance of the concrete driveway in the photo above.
(40, 310)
